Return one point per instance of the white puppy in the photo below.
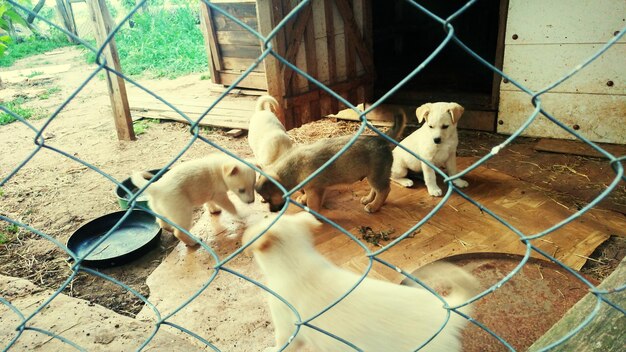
(197, 182)
(435, 141)
(376, 316)
(266, 135)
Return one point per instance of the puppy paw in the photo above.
(404, 182)
(213, 209)
(366, 200)
(370, 208)
(435, 191)
(460, 183)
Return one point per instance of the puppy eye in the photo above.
(445, 126)
(242, 190)
(430, 126)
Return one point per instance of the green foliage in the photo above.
(50, 91)
(161, 43)
(16, 105)
(9, 16)
(34, 74)
(141, 126)
(31, 46)
(8, 233)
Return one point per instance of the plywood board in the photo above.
(600, 118)
(460, 227)
(538, 66)
(564, 21)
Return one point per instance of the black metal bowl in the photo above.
(136, 236)
(123, 196)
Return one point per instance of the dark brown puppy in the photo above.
(369, 157)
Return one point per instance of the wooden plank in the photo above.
(564, 21)
(116, 86)
(534, 66)
(606, 332)
(295, 38)
(269, 14)
(350, 39)
(341, 87)
(314, 112)
(237, 37)
(238, 10)
(210, 42)
(599, 118)
(240, 51)
(223, 23)
(256, 80)
(499, 58)
(331, 56)
(354, 37)
(237, 64)
(577, 148)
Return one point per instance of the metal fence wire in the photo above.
(602, 296)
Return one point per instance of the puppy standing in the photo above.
(435, 141)
(369, 157)
(266, 135)
(376, 316)
(197, 182)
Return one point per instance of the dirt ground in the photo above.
(56, 195)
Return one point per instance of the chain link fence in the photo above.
(602, 296)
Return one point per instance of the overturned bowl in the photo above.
(123, 196)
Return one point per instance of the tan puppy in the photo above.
(435, 141)
(376, 316)
(266, 135)
(197, 182)
(369, 157)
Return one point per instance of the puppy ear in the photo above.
(308, 219)
(230, 169)
(456, 111)
(422, 112)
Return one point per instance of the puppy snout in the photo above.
(276, 207)
(437, 140)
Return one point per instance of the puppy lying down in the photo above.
(369, 157)
(376, 316)
(193, 183)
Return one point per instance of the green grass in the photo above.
(162, 43)
(29, 47)
(50, 91)
(142, 126)
(17, 106)
(8, 233)
(34, 74)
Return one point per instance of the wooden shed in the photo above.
(363, 48)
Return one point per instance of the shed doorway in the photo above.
(404, 36)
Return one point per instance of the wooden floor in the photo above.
(460, 227)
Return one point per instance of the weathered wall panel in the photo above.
(599, 117)
(548, 39)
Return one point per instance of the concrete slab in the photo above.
(90, 326)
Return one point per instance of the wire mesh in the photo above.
(602, 296)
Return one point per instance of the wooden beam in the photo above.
(354, 37)
(332, 53)
(314, 95)
(210, 41)
(294, 40)
(117, 88)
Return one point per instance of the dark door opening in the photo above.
(404, 36)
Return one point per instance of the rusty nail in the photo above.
(609, 83)
(515, 36)
(500, 122)
(576, 127)
(505, 80)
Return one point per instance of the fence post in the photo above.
(117, 88)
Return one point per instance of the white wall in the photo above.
(552, 38)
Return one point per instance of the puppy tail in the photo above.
(399, 122)
(140, 178)
(267, 102)
(459, 283)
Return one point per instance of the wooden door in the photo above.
(331, 40)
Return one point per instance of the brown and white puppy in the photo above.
(369, 157)
(436, 141)
(376, 316)
(193, 183)
(266, 135)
